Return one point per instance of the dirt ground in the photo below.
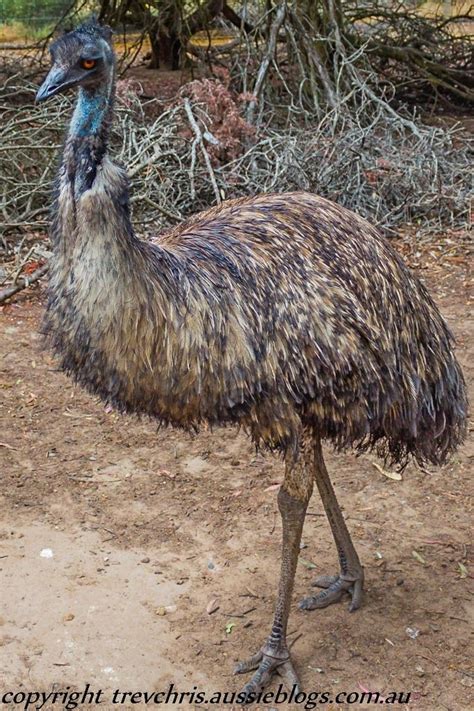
(118, 542)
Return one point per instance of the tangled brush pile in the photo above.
(386, 172)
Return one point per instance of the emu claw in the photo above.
(334, 588)
(266, 666)
(249, 664)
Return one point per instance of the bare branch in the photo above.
(267, 59)
(22, 282)
(199, 141)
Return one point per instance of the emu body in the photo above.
(285, 313)
(264, 310)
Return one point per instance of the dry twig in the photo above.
(22, 283)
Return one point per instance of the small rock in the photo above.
(46, 553)
(145, 560)
(234, 462)
(69, 617)
(412, 632)
(419, 670)
(161, 611)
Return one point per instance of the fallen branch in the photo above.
(22, 283)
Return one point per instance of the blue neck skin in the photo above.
(88, 134)
(91, 111)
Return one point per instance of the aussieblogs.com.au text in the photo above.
(71, 699)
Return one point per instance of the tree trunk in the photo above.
(165, 35)
(169, 33)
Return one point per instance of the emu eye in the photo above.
(88, 63)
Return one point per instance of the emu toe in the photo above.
(266, 667)
(334, 588)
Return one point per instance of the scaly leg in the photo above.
(351, 577)
(274, 656)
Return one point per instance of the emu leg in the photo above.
(274, 655)
(351, 577)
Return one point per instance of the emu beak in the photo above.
(55, 82)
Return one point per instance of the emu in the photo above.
(285, 313)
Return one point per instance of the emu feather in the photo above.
(280, 303)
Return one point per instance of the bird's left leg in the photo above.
(274, 656)
(351, 578)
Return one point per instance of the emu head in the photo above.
(83, 57)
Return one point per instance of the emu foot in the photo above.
(266, 666)
(334, 588)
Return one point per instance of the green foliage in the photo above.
(34, 14)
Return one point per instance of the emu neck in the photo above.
(88, 134)
(91, 111)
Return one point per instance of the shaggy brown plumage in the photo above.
(263, 310)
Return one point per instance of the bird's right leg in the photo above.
(351, 576)
(274, 657)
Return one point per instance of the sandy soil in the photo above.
(147, 529)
